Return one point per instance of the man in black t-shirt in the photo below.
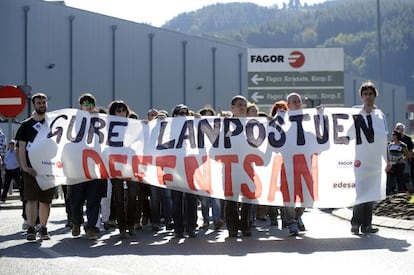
(38, 201)
(410, 146)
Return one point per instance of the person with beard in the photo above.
(38, 201)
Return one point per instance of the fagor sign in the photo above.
(317, 74)
(267, 58)
(296, 59)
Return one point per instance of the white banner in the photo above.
(327, 158)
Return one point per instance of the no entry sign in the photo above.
(12, 101)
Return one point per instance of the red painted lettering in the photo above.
(247, 165)
(91, 154)
(161, 163)
(228, 183)
(194, 174)
(138, 161)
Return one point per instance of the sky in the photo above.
(157, 12)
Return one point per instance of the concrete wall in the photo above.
(64, 52)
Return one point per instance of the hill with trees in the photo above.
(349, 24)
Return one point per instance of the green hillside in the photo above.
(351, 24)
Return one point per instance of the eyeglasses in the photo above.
(88, 104)
(120, 110)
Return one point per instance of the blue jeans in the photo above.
(89, 191)
(215, 204)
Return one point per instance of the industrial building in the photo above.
(64, 52)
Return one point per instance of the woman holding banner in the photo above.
(120, 186)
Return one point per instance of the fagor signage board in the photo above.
(315, 73)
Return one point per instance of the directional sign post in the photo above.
(317, 74)
(12, 101)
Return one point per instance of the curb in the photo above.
(346, 214)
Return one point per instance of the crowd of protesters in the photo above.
(99, 205)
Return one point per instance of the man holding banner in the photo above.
(233, 221)
(362, 213)
(38, 200)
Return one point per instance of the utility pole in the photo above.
(379, 46)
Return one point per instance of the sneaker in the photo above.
(192, 234)
(155, 227)
(247, 233)
(170, 225)
(37, 227)
(91, 234)
(111, 223)
(75, 230)
(218, 224)
(25, 225)
(43, 233)
(106, 225)
(293, 230)
(122, 234)
(132, 231)
(232, 234)
(369, 229)
(355, 229)
(205, 225)
(31, 234)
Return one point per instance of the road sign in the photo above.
(12, 101)
(317, 74)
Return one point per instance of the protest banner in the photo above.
(325, 158)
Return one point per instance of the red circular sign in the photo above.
(296, 59)
(12, 101)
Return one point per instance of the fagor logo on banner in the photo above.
(296, 59)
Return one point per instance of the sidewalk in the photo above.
(346, 213)
(13, 202)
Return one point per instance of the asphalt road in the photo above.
(327, 247)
